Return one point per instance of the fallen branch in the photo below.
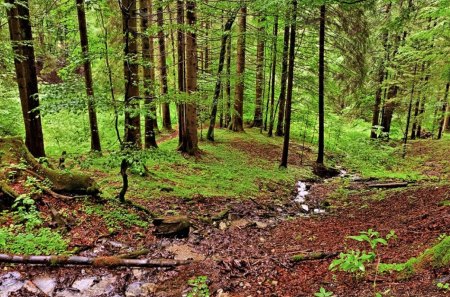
(313, 256)
(389, 185)
(98, 261)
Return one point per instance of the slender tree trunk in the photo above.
(416, 111)
(257, 118)
(189, 142)
(274, 68)
(25, 66)
(381, 75)
(321, 85)
(95, 137)
(163, 66)
(282, 98)
(228, 84)
(131, 72)
(446, 115)
(408, 118)
(287, 125)
(225, 35)
(180, 66)
(238, 114)
(147, 53)
(421, 112)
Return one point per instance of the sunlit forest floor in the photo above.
(248, 236)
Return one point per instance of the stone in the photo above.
(305, 207)
(222, 226)
(10, 282)
(172, 226)
(184, 252)
(84, 284)
(46, 284)
(261, 225)
(241, 223)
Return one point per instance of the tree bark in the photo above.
(25, 67)
(167, 124)
(148, 68)
(257, 118)
(273, 73)
(189, 142)
(95, 137)
(321, 85)
(238, 114)
(282, 98)
(445, 111)
(408, 118)
(228, 84)
(225, 36)
(290, 85)
(131, 72)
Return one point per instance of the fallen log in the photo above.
(88, 261)
(389, 185)
(313, 256)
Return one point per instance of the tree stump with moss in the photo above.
(17, 163)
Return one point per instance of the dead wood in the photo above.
(88, 261)
(389, 185)
(313, 256)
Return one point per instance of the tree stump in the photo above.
(176, 226)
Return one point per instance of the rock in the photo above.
(305, 207)
(84, 284)
(261, 225)
(221, 293)
(10, 282)
(138, 273)
(134, 290)
(175, 226)
(46, 284)
(222, 226)
(184, 252)
(318, 210)
(30, 287)
(241, 223)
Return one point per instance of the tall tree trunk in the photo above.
(163, 66)
(273, 72)
(416, 109)
(189, 142)
(421, 112)
(148, 68)
(257, 118)
(25, 66)
(381, 75)
(238, 114)
(282, 98)
(321, 85)
(95, 138)
(290, 78)
(408, 118)
(131, 72)
(225, 35)
(180, 65)
(228, 84)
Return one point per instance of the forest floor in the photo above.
(245, 242)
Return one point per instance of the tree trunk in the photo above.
(181, 66)
(282, 98)
(257, 118)
(95, 138)
(290, 85)
(321, 85)
(225, 35)
(381, 76)
(163, 66)
(131, 72)
(408, 118)
(25, 66)
(189, 142)
(228, 84)
(273, 72)
(238, 113)
(446, 116)
(148, 68)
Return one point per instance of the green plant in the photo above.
(353, 261)
(443, 286)
(373, 238)
(323, 293)
(199, 287)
